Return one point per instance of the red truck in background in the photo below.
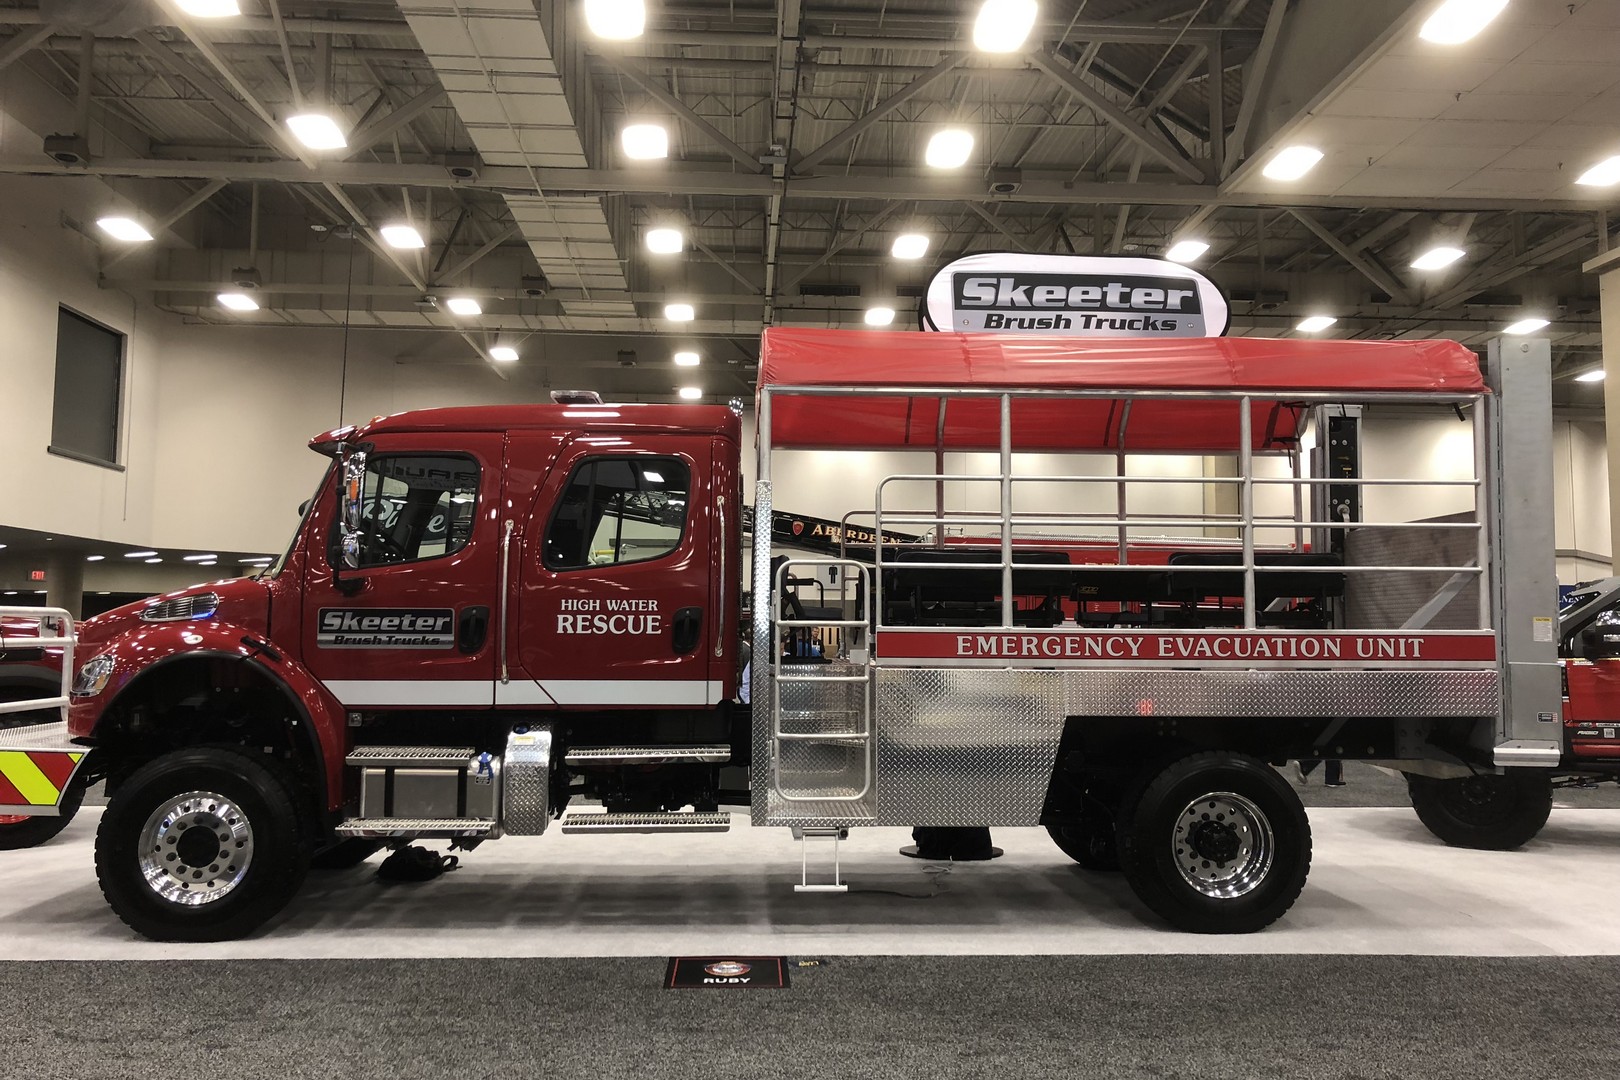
(31, 669)
(489, 616)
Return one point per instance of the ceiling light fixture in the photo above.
(691, 393)
(1455, 21)
(1525, 326)
(1437, 258)
(464, 305)
(1186, 251)
(150, 562)
(1315, 324)
(687, 359)
(1595, 375)
(665, 241)
(317, 131)
(879, 316)
(139, 554)
(126, 229)
(197, 558)
(504, 353)
(1291, 162)
(1004, 25)
(94, 558)
(909, 246)
(210, 9)
(949, 148)
(403, 237)
(616, 20)
(1605, 173)
(238, 301)
(644, 142)
(679, 312)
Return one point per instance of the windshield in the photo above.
(274, 569)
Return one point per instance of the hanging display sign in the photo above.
(1081, 295)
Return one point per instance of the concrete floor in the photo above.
(1380, 884)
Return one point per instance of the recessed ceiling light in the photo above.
(149, 562)
(210, 9)
(1437, 257)
(1595, 375)
(879, 316)
(126, 229)
(317, 131)
(665, 241)
(1186, 251)
(197, 558)
(504, 353)
(1292, 162)
(1605, 173)
(94, 558)
(687, 359)
(949, 148)
(644, 142)
(139, 554)
(1315, 324)
(909, 246)
(464, 305)
(1455, 21)
(679, 312)
(404, 237)
(1525, 326)
(238, 301)
(616, 20)
(691, 393)
(1004, 25)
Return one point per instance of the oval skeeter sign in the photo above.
(1083, 295)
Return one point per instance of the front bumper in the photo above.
(37, 767)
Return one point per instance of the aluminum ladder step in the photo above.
(645, 823)
(378, 757)
(646, 755)
(391, 827)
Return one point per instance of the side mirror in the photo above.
(352, 486)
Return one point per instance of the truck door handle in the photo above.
(688, 629)
(473, 629)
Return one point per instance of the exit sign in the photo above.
(36, 575)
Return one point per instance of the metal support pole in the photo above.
(1006, 512)
(1246, 472)
(1482, 495)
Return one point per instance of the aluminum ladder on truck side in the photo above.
(821, 738)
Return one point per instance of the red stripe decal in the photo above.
(10, 796)
(57, 766)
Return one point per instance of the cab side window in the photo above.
(415, 506)
(618, 510)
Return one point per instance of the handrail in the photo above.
(62, 638)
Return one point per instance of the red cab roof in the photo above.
(678, 419)
(1271, 369)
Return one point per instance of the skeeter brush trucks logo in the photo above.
(1083, 296)
(386, 628)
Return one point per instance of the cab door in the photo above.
(411, 626)
(612, 601)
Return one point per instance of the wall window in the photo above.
(89, 389)
(414, 506)
(619, 510)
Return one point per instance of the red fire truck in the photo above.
(1109, 586)
(32, 688)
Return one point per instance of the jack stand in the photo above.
(805, 836)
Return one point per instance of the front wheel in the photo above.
(1492, 812)
(1217, 843)
(202, 845)
(26, 832)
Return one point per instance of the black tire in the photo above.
(1166, 829)
(345, 854)
(1491, 812)
(34, 831)
(260, 812)
(1092, 844)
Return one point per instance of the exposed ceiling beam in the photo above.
(684, 111)
(197, 198)
(500, 237)
(848, 239)
(990, 219)
(1150, 140)
(1369, 269)
(382, 127)
(221, 98)
(23, 43)
(879, 111)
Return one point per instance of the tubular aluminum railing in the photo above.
(55, 627)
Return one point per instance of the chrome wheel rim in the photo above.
(1223, 845)
(196, 848)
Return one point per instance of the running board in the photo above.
(410, 827)
(648, 755)
(410, 757)
(645, 823)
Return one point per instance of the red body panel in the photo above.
(1592, 710)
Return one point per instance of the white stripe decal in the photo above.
(425, 692)
(627, 692)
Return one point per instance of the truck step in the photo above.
(378, 757)
(444, 827)
(645, 823)
(647, 755)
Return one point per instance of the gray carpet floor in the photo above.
(1115, 1017)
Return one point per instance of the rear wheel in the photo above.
(1493, 812)
(1217, 843)
(26, 832)
(202, 845)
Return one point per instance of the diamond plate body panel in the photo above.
(40, 737)
(526, 792)
(1421, 694)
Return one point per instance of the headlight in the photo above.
(93, 676)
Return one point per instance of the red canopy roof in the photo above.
(1272, 368)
